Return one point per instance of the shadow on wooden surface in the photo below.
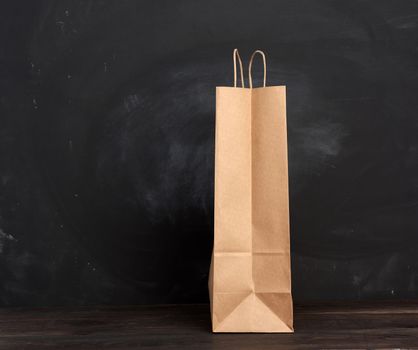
(331, 326)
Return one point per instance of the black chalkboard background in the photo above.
(107, 145)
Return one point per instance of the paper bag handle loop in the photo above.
(251, 64)
(235, 54)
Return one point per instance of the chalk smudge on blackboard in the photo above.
(4, 238)
(324, 138)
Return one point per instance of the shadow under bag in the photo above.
(249, 281)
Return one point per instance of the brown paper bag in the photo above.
(249, 283)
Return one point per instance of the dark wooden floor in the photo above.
(330, 326)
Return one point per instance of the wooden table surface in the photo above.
(363, 325)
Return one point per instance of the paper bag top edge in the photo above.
(254, 88)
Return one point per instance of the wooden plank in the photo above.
(332, 325)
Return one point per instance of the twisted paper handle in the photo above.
(251, 64)
(235, 54)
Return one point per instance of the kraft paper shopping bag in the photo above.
(249, 283)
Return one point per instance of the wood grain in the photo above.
(331, 326)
